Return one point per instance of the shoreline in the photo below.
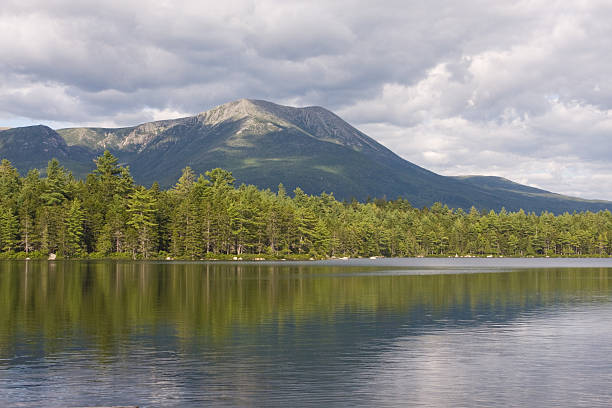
(251, 259)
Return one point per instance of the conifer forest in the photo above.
(210, 217)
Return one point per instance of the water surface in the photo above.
(386, 332)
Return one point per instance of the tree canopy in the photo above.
(208, 216)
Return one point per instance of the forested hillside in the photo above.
(207, 216)
(265, 144)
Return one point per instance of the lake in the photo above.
(385, 332)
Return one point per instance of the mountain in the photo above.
(516, 195)
(266, 144)
(33, 146)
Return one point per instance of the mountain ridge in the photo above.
(265, 144)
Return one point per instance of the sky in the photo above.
(518, 89)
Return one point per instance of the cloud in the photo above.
(517, 89)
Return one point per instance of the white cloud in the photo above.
(567, 161)
(516, 89)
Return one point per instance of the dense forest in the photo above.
(208, 217)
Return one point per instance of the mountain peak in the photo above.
(264, 143)
(260, 116)
(233, 111)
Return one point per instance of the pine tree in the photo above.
(29, 201)
(74, 229)
(141, 218)
(10, 184)
(56, 184)
(184, 221)
(113, 234)
(307, 227)
(113, 178)
(9, 227)
(50, 214)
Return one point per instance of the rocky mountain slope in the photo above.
(265, 144)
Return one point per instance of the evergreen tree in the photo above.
(184, 228)
(74, 228)
(141, 219)
(10, 184)
(113, 178)
(208, 214)
(9, 226)
(29, 200)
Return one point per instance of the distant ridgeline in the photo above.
(206, 216)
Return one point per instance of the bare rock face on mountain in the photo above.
(265, 144)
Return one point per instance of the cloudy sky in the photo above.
(519, 89)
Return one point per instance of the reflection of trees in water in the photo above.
(113, 300)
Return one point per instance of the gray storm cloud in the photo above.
(516, 89)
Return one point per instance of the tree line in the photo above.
(207, 216)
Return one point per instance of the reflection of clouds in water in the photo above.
(561, 356)
(286, 333)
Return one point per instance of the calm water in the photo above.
(441, 332)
